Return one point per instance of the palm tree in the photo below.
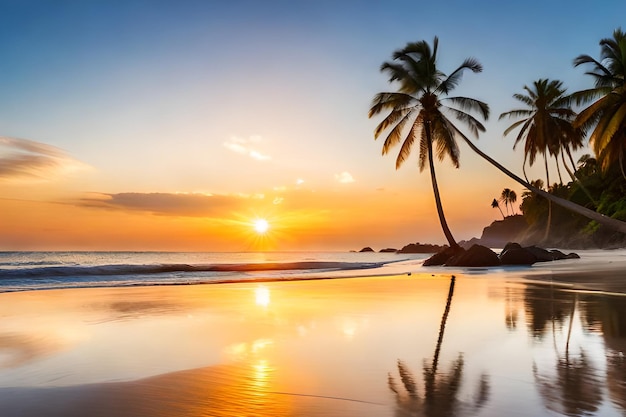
(495, 204)
(508, 196)
(545, 125)
(608, 111)
(416, 111)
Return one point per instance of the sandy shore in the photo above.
(314, 348)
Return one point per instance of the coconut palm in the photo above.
(545, 126)
(495, 204)
(508, 196)
(608, 112)
(417, 111)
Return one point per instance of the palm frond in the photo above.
(423, 156)
(470, 121)
(407, 145)
(513, 127)
(516, 113)
(390, 101)
(454, 78)
(395, 135)
(470, 104)
(392, 119)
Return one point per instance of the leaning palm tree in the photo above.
(545, 125)
(495, 204)
(608, 111)
(417, 111)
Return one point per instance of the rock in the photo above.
(517, 256)
(477, 255)
(572, 255)
(442, 256)
(541, 254)
(421, 248)
(367, 249)
(557, 254)
(388, 250)
(511, 245)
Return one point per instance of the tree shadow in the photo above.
(440, 390)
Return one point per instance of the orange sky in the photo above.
(173, 126)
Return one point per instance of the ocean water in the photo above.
(20, 271)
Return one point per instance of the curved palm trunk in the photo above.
(614, 224)
(433, 178)
(547, 234)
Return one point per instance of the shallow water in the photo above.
(489, 345)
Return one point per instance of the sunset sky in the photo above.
(174, 125)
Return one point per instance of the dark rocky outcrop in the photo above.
(421, 248)
(481, 256)
(367, 249)
(498, 233)
(388, 250)
(477, 255)
(441, 257)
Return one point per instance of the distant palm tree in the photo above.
(608, 111)
(508, 196)
(417, 111)
(545, 125)
(495, 204)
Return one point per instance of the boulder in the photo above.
(367, 249)
(441, 257)
(477, 255)
(542, 255)
(517, 256)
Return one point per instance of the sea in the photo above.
(23, 271)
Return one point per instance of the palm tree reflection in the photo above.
(440, 389)
(575, 389)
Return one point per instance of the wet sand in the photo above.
(314, 348)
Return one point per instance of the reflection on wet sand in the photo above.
(440, 389)
(315, 349)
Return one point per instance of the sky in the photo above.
(175, 125)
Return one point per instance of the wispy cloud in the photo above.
(344, 178)
(24, 159)
(247, 147)
(171, 204)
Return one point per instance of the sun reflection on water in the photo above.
(262, 296)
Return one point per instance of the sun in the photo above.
(261, 226)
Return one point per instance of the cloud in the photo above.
(173, 204)
(344, 178)
(244, 147)
(26, 159)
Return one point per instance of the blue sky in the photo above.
(175, 96)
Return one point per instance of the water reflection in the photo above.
(575, 384)
(575, 388)
(440, 389)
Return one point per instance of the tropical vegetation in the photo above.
(594, 201)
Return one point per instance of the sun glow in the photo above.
(261, 226)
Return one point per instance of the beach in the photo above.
(522, 341)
